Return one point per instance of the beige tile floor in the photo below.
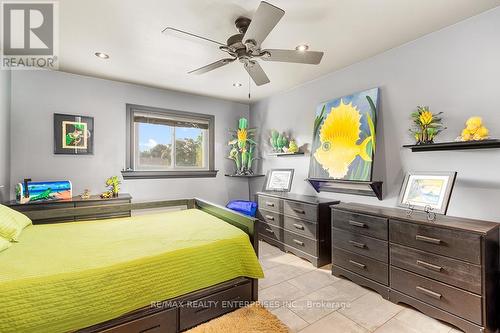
(310, 300)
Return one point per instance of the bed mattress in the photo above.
(63, 277)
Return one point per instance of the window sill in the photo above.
(129, 175)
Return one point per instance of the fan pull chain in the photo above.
(248, 87)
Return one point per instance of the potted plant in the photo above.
(427, 125)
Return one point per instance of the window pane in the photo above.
(189, 147)
(154, 146)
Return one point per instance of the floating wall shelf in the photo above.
(243, 176)
(285, 154)
(371, 189)
(457, 145)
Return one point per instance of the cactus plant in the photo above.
(243, 148)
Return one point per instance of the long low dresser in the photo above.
(299, 224)
(447, 269)
(75, 202)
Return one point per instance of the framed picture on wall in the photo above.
(344, 137)
(279, 180)
(73, 135)
(427, 191)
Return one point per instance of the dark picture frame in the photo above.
(279, 180)
(433, 190)
(73, 134)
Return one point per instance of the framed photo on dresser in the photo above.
(279, 180)
(427, 191)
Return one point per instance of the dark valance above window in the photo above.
(169, 121)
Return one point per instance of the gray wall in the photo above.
(455, 70)
(4, 134)
(36, 95)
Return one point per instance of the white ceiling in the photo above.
(346, 30)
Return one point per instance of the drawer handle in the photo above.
(269, 217)
(270, 231)
(428, 239)
(299, 211)
(298, 226)
(357, 224)
(269, 204)
(429, 292)
(296, 241)
(355, 263)
(150, 329)
(357, 244)
(429, 266)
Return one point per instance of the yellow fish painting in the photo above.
(338, 136)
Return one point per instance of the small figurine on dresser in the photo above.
(113, 184)
(85, 195)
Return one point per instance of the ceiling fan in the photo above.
(246, 45)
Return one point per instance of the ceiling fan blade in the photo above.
(302, 57)
(182, 33)
(212, 66)
(264, 20)
(256, 73)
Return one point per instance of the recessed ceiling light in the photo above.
(237, 84)
(102, 55)
(302, 47)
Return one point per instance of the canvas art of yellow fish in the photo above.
(338, 136)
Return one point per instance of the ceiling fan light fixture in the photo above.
(302, 47)
(101, 55)
(237, 84)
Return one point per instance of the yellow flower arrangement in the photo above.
(426, 117)
(474, 130)
(426, 125)
(242, 134)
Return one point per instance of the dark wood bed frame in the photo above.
(184, 312)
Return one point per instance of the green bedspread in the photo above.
(63, 277)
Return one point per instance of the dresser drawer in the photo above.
(161, 322)
(42, 207)
(102, 202)
(367, 246)
(214, 305)
(455, 272)
(361, 224)
(300, 210)
(102, 216)
(369, 268)
(270, 217)
(301, 243)
(451, 243)
(271, 231)
(443, 296)
(269, 203)
(301, 227)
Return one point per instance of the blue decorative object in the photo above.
(43, 191)
(245, 207)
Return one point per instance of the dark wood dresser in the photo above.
(448, 268)
(298, 224)
(75, 202)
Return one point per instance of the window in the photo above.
(164, 143)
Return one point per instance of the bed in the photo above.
(161, 272)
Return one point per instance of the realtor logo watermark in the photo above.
(29, 35)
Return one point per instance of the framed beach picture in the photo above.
(427, 190)
(344, 137)
(73, 135)
(279, 180)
